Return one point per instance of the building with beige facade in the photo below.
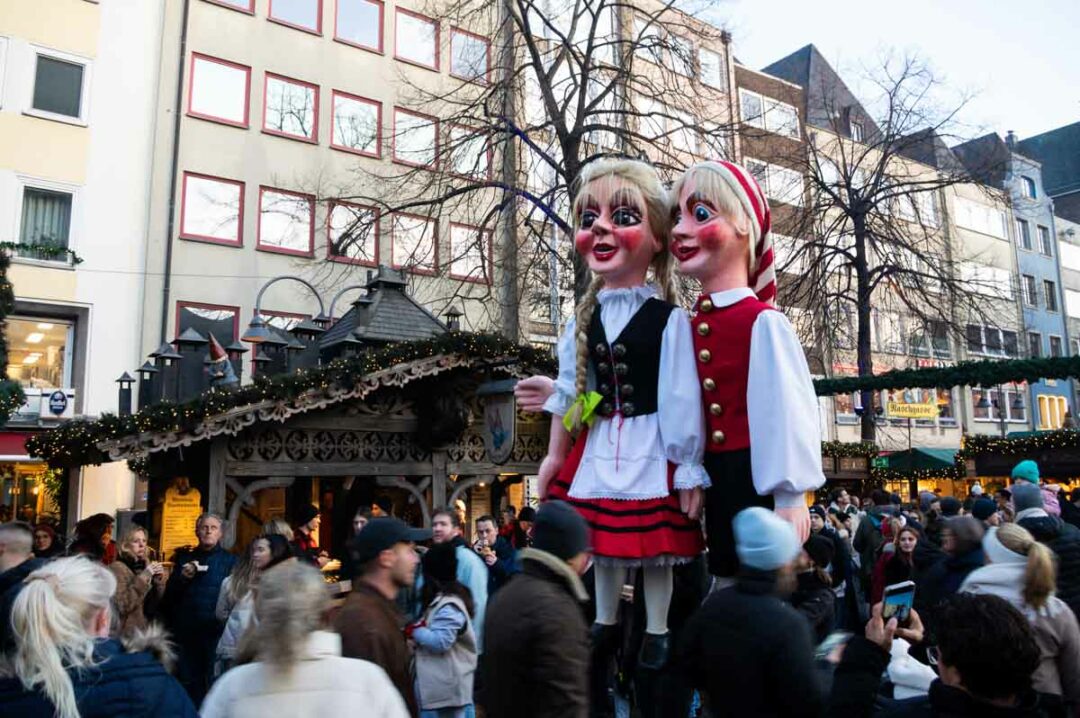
(78, 83)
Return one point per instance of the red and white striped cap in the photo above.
(747, 189)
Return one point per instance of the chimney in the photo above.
(1010, 140)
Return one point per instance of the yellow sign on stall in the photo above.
(903, 410)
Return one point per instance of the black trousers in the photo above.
(732, 491)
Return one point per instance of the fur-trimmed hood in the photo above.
(156, 641)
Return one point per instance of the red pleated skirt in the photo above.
(650, 531)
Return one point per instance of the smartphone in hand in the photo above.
(898, 599)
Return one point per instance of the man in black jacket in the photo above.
(745, 649)
(985, 655)
(537, 658)
(1062, 538)
(496, 551)
(190, 601)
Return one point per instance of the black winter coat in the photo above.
(817, 603)
(942, 580)
(857, 678)
(841, 555)
(132, 685)
(1064, 540)
(750, 653)
(536, 657)
(11, 582)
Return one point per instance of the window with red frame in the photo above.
(416, 39)
(212, 209)
(301, 14)
(291, 108)
(469, 153)
(413, 240)
(360, 23)
(220, 320)
(219, 90)
(286, 221)
(355, 124)
(469, 56)
(353, 234)
(282, 321)
(247, 6)
(470, 253)
(415, 138)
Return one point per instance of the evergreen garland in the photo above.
(1018, 446)
(11, 393)
(75, 443)
(983, 372)
(44, 250)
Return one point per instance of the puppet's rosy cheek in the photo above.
(583, 242)
(629, 238)
(712, 235)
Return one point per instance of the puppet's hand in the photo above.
(799, 517)
(531, 393)
(549, 469)
(690, 502)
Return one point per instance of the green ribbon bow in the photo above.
(588, 402)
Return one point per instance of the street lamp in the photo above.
(257, 331)
(453, 318)
(124, 399)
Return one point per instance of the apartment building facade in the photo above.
(1068, 247)
(78, 81)
(1045, 329)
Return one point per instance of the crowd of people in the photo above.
(435, 627)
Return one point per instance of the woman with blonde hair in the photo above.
(1022, 571)
(65, 664)
(628, 388)
(297, 667)
(140, 583)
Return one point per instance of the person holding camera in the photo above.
(190, 604)
(496, 551)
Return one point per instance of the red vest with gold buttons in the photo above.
(722, 350)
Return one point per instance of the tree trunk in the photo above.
(510, 291)
(863, 347)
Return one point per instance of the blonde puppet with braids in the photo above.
(627, 388)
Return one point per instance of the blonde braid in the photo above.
(584, 318)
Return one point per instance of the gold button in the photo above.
(706, 305)
(703, 329)
(704, 355)
(709, 384)
(718, 437)
(716, 409)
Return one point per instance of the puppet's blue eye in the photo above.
(702, 213)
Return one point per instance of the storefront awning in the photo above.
(921, 458)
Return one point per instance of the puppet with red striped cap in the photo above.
(763, 434)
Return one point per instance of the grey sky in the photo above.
(1020, 58)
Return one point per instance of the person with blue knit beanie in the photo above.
(1028, 471)
(746, 649)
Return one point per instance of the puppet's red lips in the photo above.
(684, 252)
(603, 251)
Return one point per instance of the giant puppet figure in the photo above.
(763, 434)
(627, 387)
(763, 429)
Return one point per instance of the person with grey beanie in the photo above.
(746, 649)
(1061, 538)
(537, 658)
